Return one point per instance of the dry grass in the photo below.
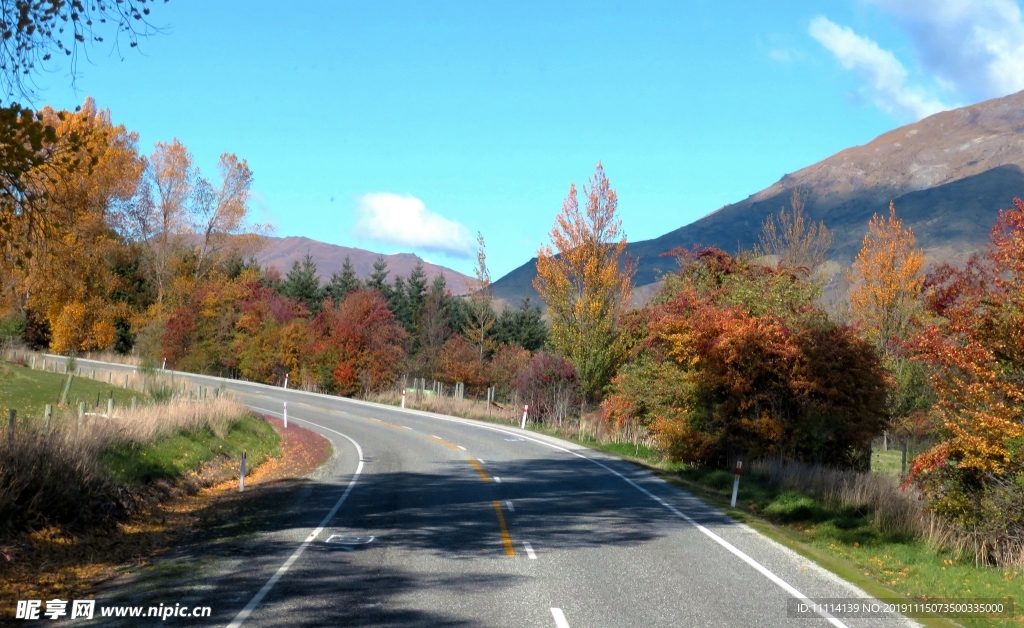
(57, 477)
(893, 509)
(141, 379)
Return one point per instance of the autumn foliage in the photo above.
(975, 349)
(714, 377)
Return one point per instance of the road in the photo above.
(475, 524)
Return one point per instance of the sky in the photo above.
(414, 126)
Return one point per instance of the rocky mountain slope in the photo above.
(948, 174)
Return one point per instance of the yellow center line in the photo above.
(480, 470)
(401, 427)
(509, 550)
(443, 442)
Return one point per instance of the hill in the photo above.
(948, 174)
(281, 253)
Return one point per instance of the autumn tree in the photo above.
(797, 243)
(886, 281)
(162, 219)
(218, 215)
(478, 329)
(586, 282)
(975, 350)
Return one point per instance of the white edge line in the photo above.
(511, 508)
(559, 616)
(283, 569)
(714, 537)
(497, 479)
(529, 551)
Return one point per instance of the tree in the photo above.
(161, 220)
(434, 327)
(975, 352)
(792, 240)
(416, 294)
(378, 279)
(218, 215)
(523, 327)
(358, 344)
(342, 283)
(478, 329)
(587, 283)
(35, 31)
(886, 281)
(302, 284)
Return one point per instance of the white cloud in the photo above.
(406, 221)
(885, 75)
(974, 46)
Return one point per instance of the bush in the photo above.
(12, 328)
(549, 385)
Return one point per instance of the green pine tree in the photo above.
(342, 283)
(302, 284)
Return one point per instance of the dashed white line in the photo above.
(559, 618)
(461, 447)
(480, 460)
(511, 508)
(529, 551)
(497, 479)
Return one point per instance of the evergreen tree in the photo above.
(416, 295)
(522, 327)
(302, 284)
(342, 283)
(398, 303)
(378, 279)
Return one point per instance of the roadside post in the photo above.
(526, 410)
(110, 407)
(241, 475)
(403, 397)
(286, 415)
(736, 483)
(286, 380)
(47, 414)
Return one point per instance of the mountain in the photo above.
(949, 174)
(281, 253)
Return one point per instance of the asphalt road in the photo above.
(475, 524)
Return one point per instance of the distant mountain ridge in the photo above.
(948, 174)
(281, 253)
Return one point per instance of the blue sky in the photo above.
(411, 126)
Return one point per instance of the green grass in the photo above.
(171, 457)
(28, 391)
(887, 462)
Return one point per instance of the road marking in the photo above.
(480, 460)
(401, 427)
(461, 447)
(480, 470)
(516, 437)
(506, 539)
(283, 569)
(559, 618)
(529, 551)
(497, 479)
(443, 442)
(511, 508)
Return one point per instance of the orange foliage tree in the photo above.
(975, 476)
(586, 282)
(358, 345)
(886, 280)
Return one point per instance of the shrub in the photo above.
(549, 385)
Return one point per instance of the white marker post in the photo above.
(164, 366)
(286, 415)
(526, 409)
(241, 475)
(736, 482)
(403, 397)
(286, 380)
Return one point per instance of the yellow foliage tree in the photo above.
(886, 280)
(586, 282)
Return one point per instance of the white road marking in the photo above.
(497, 479)
(283, 569)
(559, 618)
(529, 551)
(461, 447)
(516, 436)
(511, 508)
